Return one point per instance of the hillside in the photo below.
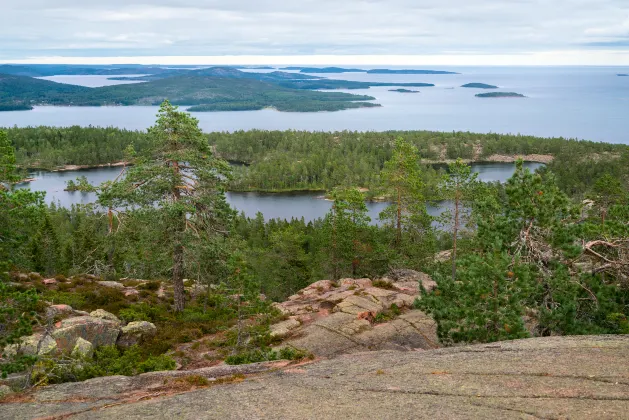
(215, 89)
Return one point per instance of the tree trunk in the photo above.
(335, 262)
(398, 237)
(455, 231)
(177, 278)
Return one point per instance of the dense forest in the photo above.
(300, 160)
(527, 258)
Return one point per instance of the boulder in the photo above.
(36, 344)
(282, 329)
(135, 332)
(103, 314)
(111, 284)
(82, 348)
(49, 282)
(131, 292)
(5, 390)
(59, 310)
(98, 331)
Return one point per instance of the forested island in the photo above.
(179, 267)
(500, 95)
(479, 86)
(623, 74)
(372, 71)
(327, 70)
(409, 71)
(211, 89)
(400, 90)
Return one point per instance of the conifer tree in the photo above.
(344, 223)
(459, 185)
(184, 182)
(407, 215)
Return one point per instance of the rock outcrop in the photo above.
(541, 378)
(353, 315)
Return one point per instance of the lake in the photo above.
(310, 205)
(574, 102)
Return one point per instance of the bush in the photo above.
(107, 361)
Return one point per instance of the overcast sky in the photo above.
(316, 31)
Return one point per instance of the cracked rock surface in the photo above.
(542, 378)
(329, 319)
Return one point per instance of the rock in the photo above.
(102, 314)
(5, 390)
(49, 282)
(581, 377)
(364, 283)
(131, 292)
(59, 310)
(29, 346)
(82, 348)
(356, 304)
(20, 277)
(161, 292)
(443, 256)
(98, 331)
(282, 329)
(111, 284)
(135, 332)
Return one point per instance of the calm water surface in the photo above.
(310, 206)
(574, 102)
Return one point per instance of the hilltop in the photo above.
(551, 377)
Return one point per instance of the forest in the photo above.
(301, 160)
(546, 253)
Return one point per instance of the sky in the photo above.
(448, 32)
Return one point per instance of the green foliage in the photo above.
(17, 316)
(181, 184)
(264, 355)
(347, 226)
(407, 216)
(106, 361)
(485, 304)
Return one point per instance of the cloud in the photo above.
(135, 28)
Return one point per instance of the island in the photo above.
(500, 95)
(409, 71)
(329, 70)
(403, 90)
(479, 86)
(217, 89)
(623, 74)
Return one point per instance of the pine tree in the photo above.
(344, 223)
(407, 216)
(460, 185)
(180, 177)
